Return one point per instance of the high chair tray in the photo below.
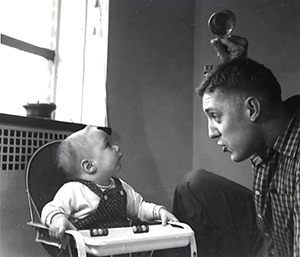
(124, 240)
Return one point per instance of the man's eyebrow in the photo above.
(209, 109)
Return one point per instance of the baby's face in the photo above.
(105, 156)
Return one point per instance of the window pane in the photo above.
(25, 78)
(76, 80)
(32, 21)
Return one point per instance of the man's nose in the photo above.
(213, 132)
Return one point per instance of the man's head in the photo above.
(242, 76)
(88, 154)
(237, 98)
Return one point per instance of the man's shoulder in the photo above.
(294, 139)
(293, 103)
(288, 142)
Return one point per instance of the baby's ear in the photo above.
(88, 166)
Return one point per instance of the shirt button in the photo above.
(267, 235)
(257, 192)
(105, 197)
(259, 216)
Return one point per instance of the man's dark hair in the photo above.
(242, 76)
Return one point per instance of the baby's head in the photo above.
(88, 154)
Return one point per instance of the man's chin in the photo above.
(235, 158)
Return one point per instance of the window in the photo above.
(55, 51)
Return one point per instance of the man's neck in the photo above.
(276, 124)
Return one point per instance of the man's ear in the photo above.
(88, 166)
(253, 108)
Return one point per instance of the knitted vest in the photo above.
(111, 211)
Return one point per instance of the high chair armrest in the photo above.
(43, 237)
(36, 225)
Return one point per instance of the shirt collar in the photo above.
(262, 156)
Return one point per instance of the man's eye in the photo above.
(216, 117)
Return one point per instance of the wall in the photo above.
(274, 36)
(150, 92)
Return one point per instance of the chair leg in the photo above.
(193, 246)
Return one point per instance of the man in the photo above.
(242, 101)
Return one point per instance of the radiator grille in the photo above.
(17, 144)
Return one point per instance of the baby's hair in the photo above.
(69, 154)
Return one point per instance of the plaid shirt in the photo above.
(277, 191)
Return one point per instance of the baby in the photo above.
(94, 197)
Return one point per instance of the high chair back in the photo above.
(43, 179)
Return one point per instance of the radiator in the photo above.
(21, 136)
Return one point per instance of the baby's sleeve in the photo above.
(61, 203)
(137, 207)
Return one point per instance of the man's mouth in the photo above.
(224, 149)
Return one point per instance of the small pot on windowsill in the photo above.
(40, 110)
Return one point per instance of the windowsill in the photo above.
(42, 123)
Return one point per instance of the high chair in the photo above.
(43, 179)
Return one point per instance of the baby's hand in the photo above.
(59, 225)
(166, 216)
